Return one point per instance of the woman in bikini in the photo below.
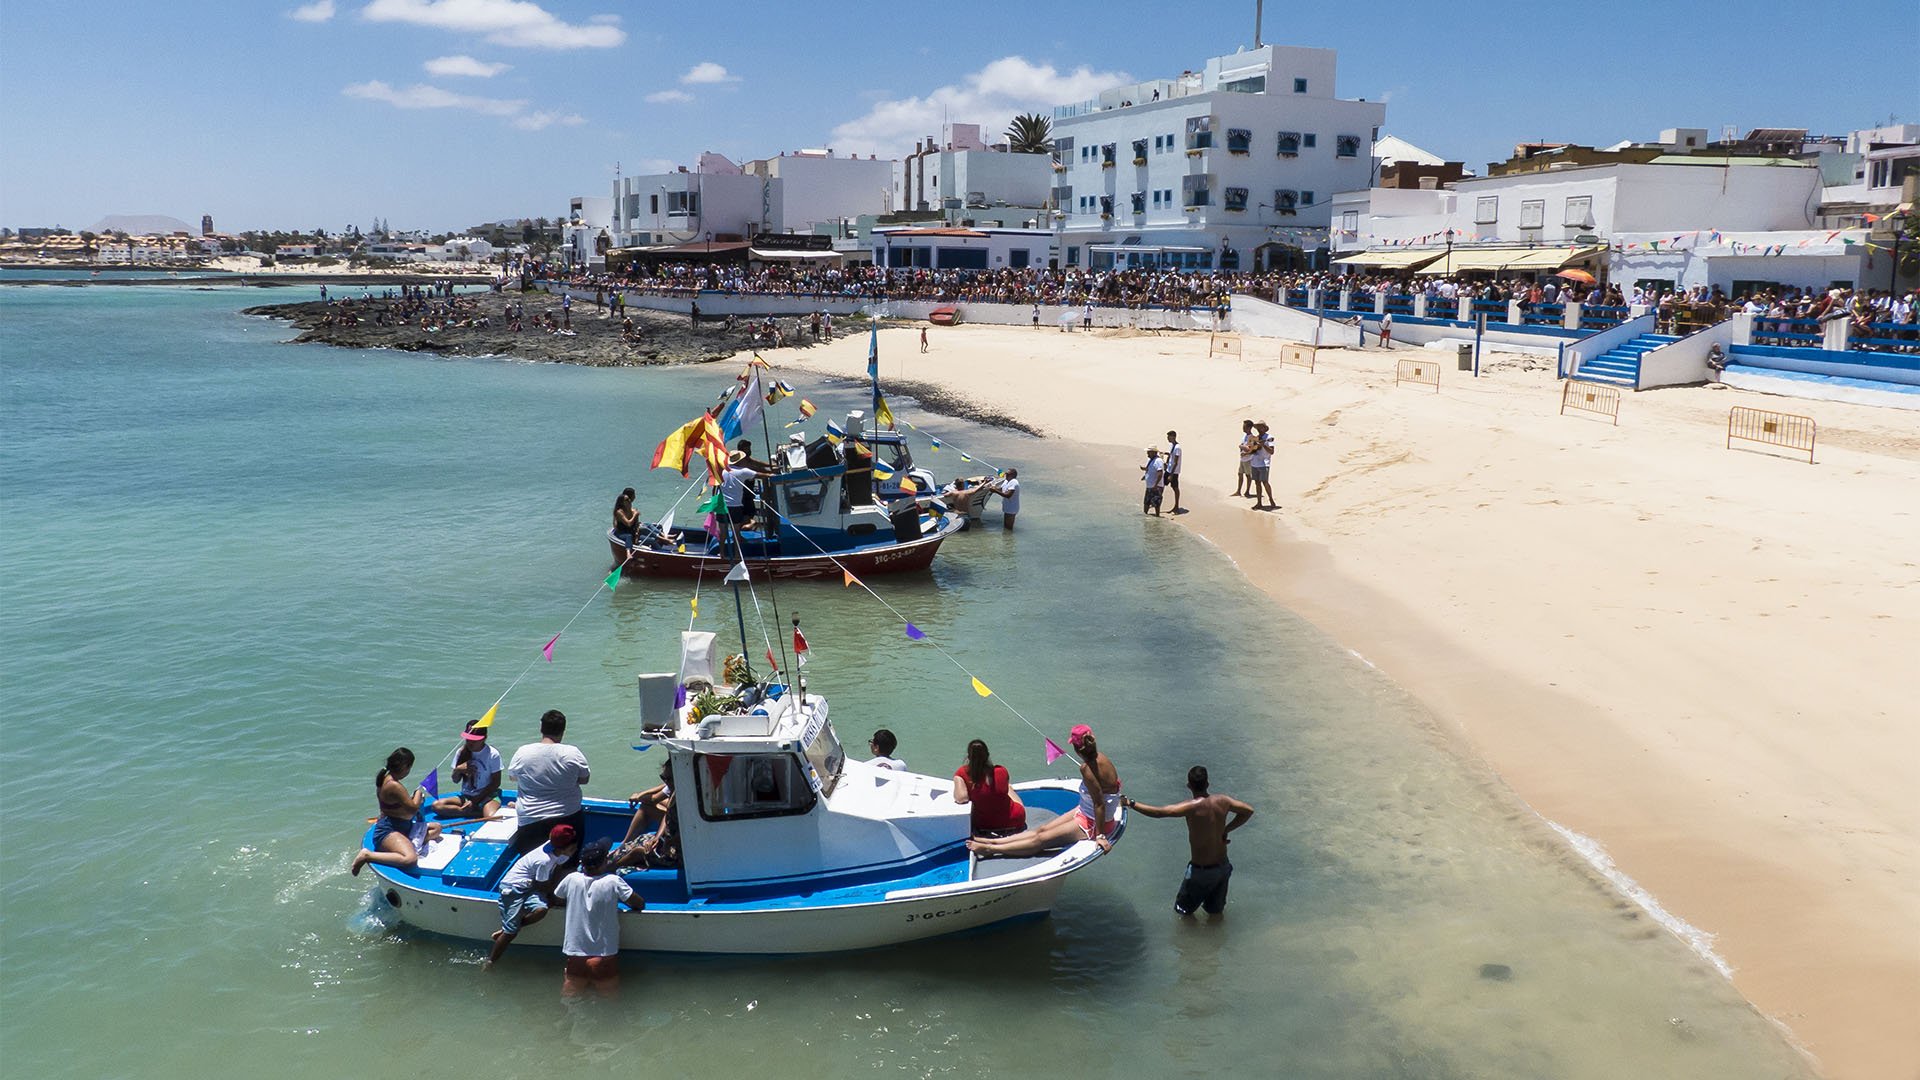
(626, 521)
(399, 823)
(1096, 818)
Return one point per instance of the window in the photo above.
(1235, 198)
(1196, 190)
(737, 786)
(960, 258)
(1350, 222)
(683, 202)
(1346, 146)
(1106, 206)
(804, 498)
(633, 206)
(1579, 211)
(1299, 86)
(1253, 84)
(1286, 200)
(1063, 197)
(653, 204)
(1199, 132)
(1309, 140)
(1288, 144)
(1167, 195)
(1073, 255)
(1306, 197)
(1107, 154)
(1139, 202)
(1156, 144)
(1139, 151)
(1017, 259)
(1239, 140)
(1533, 213)
(1486, 210)
(1062, 152)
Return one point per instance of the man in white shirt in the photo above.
(1009, 491)
(548, 775)
(477, 767)
(1262, 468)
(883, 744)
(1155, 476)
(526, 890)
(1174, 457)
(592, 941)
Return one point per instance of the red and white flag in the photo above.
(800, 646)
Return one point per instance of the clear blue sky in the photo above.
(442, 113)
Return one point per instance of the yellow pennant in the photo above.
(981, 689)
(696, 607)
(487, 720)
(850, 578)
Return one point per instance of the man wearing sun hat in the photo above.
(477, 767)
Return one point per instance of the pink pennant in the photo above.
(1053, 751)
(547, 649)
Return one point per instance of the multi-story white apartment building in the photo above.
(589, 221)
(1230, 167)
(961, 173)
(719, 200)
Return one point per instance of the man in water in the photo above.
(1009, 492)
(526, 890)
(1155, 476)
(1205, 885)
(592, 941)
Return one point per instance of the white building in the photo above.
(461, 249)
(818, 187)
(1678, 220)
(720, 201)
(946, 248)
(962, 175)
(588, 231)
(1230, 167)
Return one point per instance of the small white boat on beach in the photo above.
(787, 846)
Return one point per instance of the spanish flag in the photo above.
(696, 437)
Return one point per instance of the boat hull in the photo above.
(640, 560)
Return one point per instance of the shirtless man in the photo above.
(1205, 885)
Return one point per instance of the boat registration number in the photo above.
(925, 916)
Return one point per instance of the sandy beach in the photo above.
(1686, 654)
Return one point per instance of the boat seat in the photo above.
(440, 852)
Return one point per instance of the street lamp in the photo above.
(1449, 252)
(1899, 222)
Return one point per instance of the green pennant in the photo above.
(613, 579)
(712, 504)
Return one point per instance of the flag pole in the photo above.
(773, 592)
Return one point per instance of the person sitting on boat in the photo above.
(1095, 819)
(626, 520)
(399, 832)
(883, 744)
(987, 790)
(591, 944)
(652, 834)
(526, 890)
(477, 767)
(549, 774)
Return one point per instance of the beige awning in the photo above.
(1552, 258)
(763, 253)
(1391, 257)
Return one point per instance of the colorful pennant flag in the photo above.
(712, 504)
(696, 605)
(771, 662)
(873, 352)
(1053, 751)
(739, 572)
(806, 410)
(908, 486)
(931, 439)
(800, 646)
(431, 785)
(850, 579)
(613, 579)
(547, 649)
(882, 472)
(696, 438)
(915, 632)
(964, 457)
(981, 689)
(882, 414)
(778, 391)
(486, 721)
(835, 432)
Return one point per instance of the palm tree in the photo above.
(1030, 133)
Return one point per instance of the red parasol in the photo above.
(1576, 275)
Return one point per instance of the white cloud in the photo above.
(317, 12)
(990, 97)
(538, 121)
(464, 65)
(420, 96)
(665, 97)
(707, 71)
(505, 22)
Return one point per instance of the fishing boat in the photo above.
(944, 316)
(821, 516)
(965, 495)
(786, 845)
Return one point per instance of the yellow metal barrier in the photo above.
(1590, 397)
(1223, 343)
(1425, 372)
(1773, 428)
(1298, 356)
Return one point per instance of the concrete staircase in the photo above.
(1620, 366)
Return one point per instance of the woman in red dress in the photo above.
(986, 787)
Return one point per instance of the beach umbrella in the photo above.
(1576, 275)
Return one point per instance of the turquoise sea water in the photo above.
(235, 573)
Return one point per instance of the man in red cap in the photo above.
(526, 891)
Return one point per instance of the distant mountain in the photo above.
(139, 224)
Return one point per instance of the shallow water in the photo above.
(234, 574)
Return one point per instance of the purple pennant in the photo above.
(431, 785)
(914, 632)
(680, 696)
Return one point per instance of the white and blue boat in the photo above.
(787, 845)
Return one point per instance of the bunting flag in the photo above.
(680, 695)
(771, 662)
(851, 580)
(931, 439)
(486, 721)
(799, 647)
(806, 410)
(981, 688)
(835, 432)
(431, 785)
(696, 438)
(908, 486)
(873, 352)
(739, 572)
(778, 391)
(712, 504)
(695, 602)
(881, 472)
(613, 579)
(1053, 751)
(756, 362)
(882, 414)
(913, 631)
(547, 649)
(743, 410)
(964, 457)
